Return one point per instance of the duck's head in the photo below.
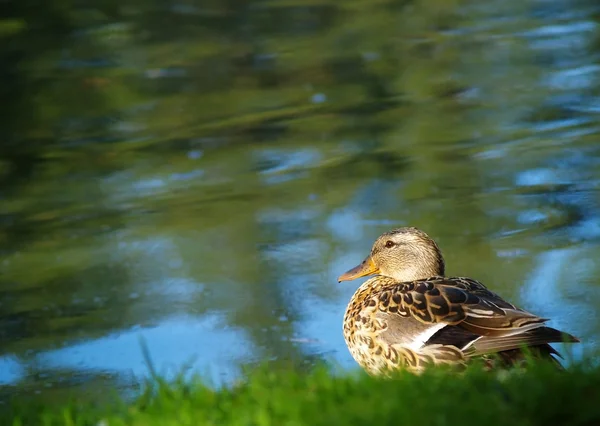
(404, 254)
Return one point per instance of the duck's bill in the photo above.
(367, 267)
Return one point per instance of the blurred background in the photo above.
(196, 174)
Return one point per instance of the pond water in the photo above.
(195, 175)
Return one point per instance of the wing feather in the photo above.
(489, 322)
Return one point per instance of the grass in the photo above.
(542, 395)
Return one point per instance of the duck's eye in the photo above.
(389, 244)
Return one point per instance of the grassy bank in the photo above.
(540, 396)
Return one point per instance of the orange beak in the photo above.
(367, 267)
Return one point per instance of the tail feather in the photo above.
(537, 337)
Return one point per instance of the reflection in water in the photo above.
(207, 346)
(543, 294)
(200, 175)
(11, 370)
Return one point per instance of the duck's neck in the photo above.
(416, 271)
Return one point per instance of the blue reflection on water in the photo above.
(203, 345)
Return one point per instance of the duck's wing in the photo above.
(456, 301)
(466, 314)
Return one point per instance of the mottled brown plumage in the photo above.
(410, 315)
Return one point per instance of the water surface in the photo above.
(196, 175)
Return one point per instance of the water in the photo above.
(196, 176)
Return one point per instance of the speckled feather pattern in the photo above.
(385, 317)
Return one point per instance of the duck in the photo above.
(409, 315)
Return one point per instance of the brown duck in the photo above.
(411, 315)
